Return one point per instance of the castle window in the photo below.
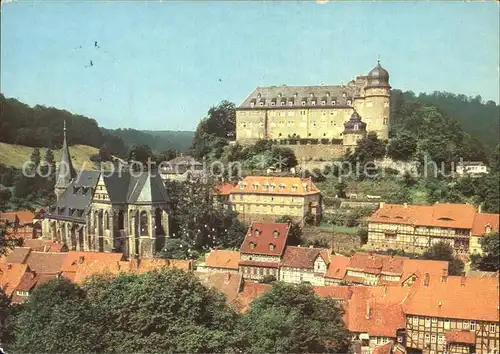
(440, 338)
(294, 188)
(333, 102)
(290, 103)
(261, 103)
(257, 232)
(323, 103)
(472, 325)
(385, 121)
(313, 103)
(311, 94)
(252, 104)
(348, 102)
(303, 103)
(492, 328)
(356, 126)
(282, 103)
(273, 103)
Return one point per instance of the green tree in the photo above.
(35, 157)
(49, 157)
(6, 317)
(283, 157)
(402, 147)
(442, 251)
(369, 149)
(295, 232)
(57, 318)
(7, 242)
(140, 153)
(490, 244)
(166, 311)
(292, 319)
(104, 154)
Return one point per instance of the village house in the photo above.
(220, 261)
(471, 168)
(265, 198)
(262, 250)
(180, 169)
(304, 264)
(415, 228)
(453, 315)
(21, 224)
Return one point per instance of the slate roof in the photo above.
(123, 187)
(297, 94)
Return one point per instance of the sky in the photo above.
(162, 65)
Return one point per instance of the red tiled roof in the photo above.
(334, 292)
(483, 220)
(249, 292)
(18, 255)
(300, 257)
(22, 216)
(259, 264)
(74, 258)
(227, 283)
(383, 304)
(376, 263)
(10, 276)
(28, 282)
(223, 259)
(383, 349)
(304, 186)
(457, 297)
(460, 336)
(439, 215)
(261, 242)
(45, 262)
(421, 266)
(42, 245)
(338, 267)
(223, 189)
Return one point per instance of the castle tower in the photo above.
(65, 171)
(354, 129)
(377, 102)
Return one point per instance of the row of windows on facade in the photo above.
(258, 271)
(291, 113)
(266, 209)
(270, 187)
(262, 102)
(270, 199)
(291, 123)
(470, 325)
(271, 246)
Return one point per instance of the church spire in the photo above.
(65, 171)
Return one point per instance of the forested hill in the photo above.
(477, 118)
(41, 126)
(158, 141)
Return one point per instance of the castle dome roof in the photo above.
(378, 76)
(355, 124)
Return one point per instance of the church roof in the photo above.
(65, 170)
(123, 188)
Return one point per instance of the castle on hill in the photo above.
(339, 114)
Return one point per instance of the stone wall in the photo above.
(326, 152)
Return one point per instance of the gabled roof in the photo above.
(20, 217)
(301, 257)
(457, 297)
(42, 245)
(337, 267)
(248, 293)
(376, 263)
(18, 255)
(481, 221)
(135, 187)
(260, 237)
(439, 215)
(276, 186)
(28, 282)
(227, 283)
(223, 259)
(74, 258)
(10, 276)
(223, 189)
(45, 262)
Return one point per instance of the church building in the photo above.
(118, 211)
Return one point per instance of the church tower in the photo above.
(377, 102)
(65, 171)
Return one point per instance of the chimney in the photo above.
(405, 205)
(462, 280)
(440, 304)
(381, 205)
(367, 315)
(479, 209)
(426, 279)
(81, 259)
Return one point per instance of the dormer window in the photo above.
(257, 232)
(328, 94)
(295, 95)
(281, 187)
(259, 95)
(313, 102)
(303, 102)
(264, 187)
(271, 247)
(75, 190)
(261, 103)
(488, 229)
(305, 186)
(276, 233)
(290, 103)
(255, 187)
(344, 94)
(273, 103)
(311, 94)
(271, 186)
(252, 245)
(323, 102)
(279, 94)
